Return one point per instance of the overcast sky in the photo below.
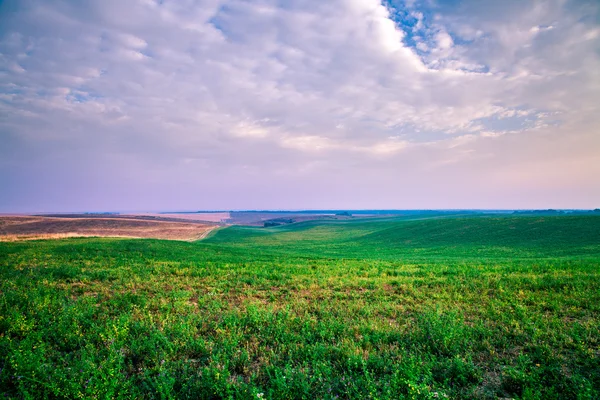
(140, 105)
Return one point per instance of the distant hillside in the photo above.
(475, 236)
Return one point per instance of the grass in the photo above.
(445, 307)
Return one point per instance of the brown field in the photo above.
(13, 228)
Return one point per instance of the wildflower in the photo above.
(260, 395)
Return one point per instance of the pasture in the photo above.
(405, 307)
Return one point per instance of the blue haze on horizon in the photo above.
(110, 105)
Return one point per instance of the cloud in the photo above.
(219, 96)
(444, 40)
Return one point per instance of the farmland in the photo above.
(442, 306)
(14, 228)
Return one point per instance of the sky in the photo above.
(147, 105)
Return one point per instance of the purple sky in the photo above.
(217, 104)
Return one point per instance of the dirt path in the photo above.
(207, 232)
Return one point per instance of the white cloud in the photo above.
(537, 29)
(444, 40)
(252, 83)
(250, 129)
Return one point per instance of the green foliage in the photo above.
(446, 307)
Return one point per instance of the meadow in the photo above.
(432, 307)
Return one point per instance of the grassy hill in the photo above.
(441, 307)
(464, 237)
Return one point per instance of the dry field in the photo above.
(13, 228)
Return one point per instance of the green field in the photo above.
(415, 308)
